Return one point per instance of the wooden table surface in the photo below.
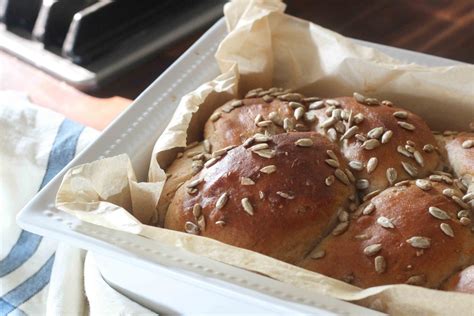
(444, 28)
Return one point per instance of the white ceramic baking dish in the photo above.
(163, 278)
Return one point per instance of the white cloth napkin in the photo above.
(39, 276)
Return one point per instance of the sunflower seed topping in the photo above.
(380, 264)
(356, 165)
(329, 180)
(372, 249)
(362, 184)
(318, 254)
(295, 105)
(466, 221)
(288, 124)
(333, 163)
(316, 105)
(194, 183)
(371, 101)
(201, 223)
(285, 195)
(220, 223)
(386, 136)
(299, 112)
(438, 213)
(219, 153)
(265, 153)
(416, 280)
(210, 162)
(460, 202)
(248, 208)
(407, 126)
(350, 175)
(358, 118)
(191, 228)
(222, 200)
(410, 169)
(304, 142)
(265, 123)
(215, 116)
(371, 144)
(329, 122)
(419, 242)
(372, 164)
(259, 147)
(332, 135)
(291, 97)
(275, 118)
(197, 210)
(362, 237)
(341, 176)
(268, 169)
(370, 195)
(311, 99)
(404, 152)
(428, 148)
(343, 216)
(463, 213)
(401, 114)
(375, 132)
(446, 229)
(340, 228)
(368, 209)
(350, 132)
(419, 158)
(468, 144)
(385, 222)
(423, 184)
(246, 181)
(392, 175)
(310, 116)
(267, 98)
(358, 97)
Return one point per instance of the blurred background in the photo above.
(79, 57)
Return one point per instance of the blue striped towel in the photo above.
(40, 276)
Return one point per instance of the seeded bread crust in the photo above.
(462, 281)
(291, 208)
(400, 240)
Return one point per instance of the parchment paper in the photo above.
(266, 48)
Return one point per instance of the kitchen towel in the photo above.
(39, 276)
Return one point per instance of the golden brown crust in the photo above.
(460, 157)
(462, 281)
(387, 151)
(407, 208)
(297, 207)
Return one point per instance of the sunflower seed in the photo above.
(304, 142)
(387, 103)
(329, 122)
(343, 216)
(423, 184)
(380, 264)
(386, 136)
(356, 165)
(246, 181)
(385, 222)
(340, 228)
(446, 229)
(275, 118)
(197, 210)
(407, 126)
(404, 152)
(311, 99)
(392, 175)
(370, 195)
(447, 179)
(191, 228)
(350, 132)
(215, 116)
(460, 202)
(375, 132)
(410, 149)
(299, 113)
(331, 154)
(261, 195)
(372, 249)
(362, 184)
(248, 208)
(194, 183)
(310, 117)
(371, 101)
(350, 175)
(295, 105)
(268, 169)
(416, 280)
(419, 242)
(410, 169)
(468, 144)
(332, 135)
(333, 163)
(318, 254)
(402, 183)
(466, 221)
(267, 98)
(436, 178)
(341, 176)
(285, 195)
(222, 200)
(358, 118)
(358, 97)
(438, 213)
(288, 124)
(419, 158)
(329, 180)
(316, 105)
(265, 123)
(428, 148)
(362, 237)
(202, 223)
(340, 127)
(291, 97)
(371, 144)
(463, 213)
(259, 147)
(332, 102)
(219, 153)
(265, 153)
(220, 223)
(368, 209)
(372, 164)
(401, 114)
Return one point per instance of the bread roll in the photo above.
(462, 281)
(384, 144)
(460, 153)
(412, 233)
(278, 196)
